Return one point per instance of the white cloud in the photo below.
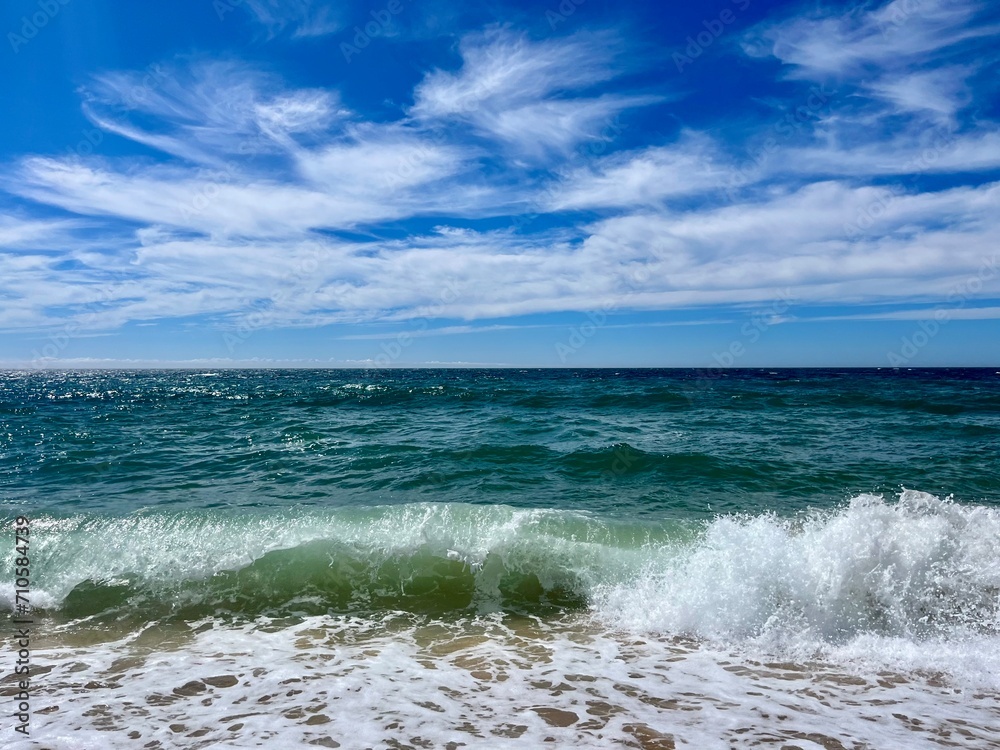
(370, 174)
(922, 244)
(378, 161)
(902, 81)
(919, 242)
(647, 177)
(305, 18)
(502, 68)
(540, 128)
(529, 95)
(947, 311)
(267, 180)
(16, 232)
(931, 151)
(941, 92)
(845, 42)
(214, 203)
(273, 161)
(206, 111)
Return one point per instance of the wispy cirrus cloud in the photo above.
(530, 95)
(379, 160)
(835, 41)
(227, 203)
(902, 74)
(254, 179)
(924, 152)
(939, 92)
(252, 157)
(302, 18)
(648, 177)
(506, 68)
(209, 110)
(18, 232)
(710, 257)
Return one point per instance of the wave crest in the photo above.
(919, 568)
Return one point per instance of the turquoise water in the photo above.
(848, 519)
(639, 443)
(284, 483)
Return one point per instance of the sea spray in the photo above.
(916, 568)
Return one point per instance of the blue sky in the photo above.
(730, 183)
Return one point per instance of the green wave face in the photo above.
(322, 577)
(429, 558)
(916, 568)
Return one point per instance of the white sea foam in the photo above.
(912, 584)
(482, 682)
(872, 625)
(908, 585)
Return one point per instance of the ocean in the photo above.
(605, 558)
